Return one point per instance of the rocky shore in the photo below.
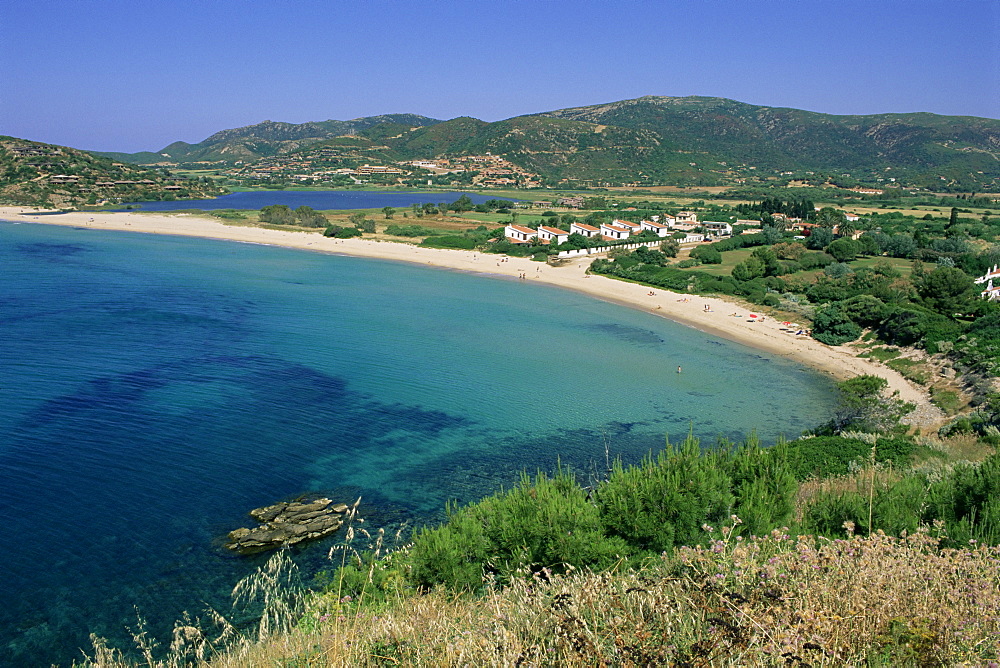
(287, 523)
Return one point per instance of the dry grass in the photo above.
(760, 601)
(767, 600)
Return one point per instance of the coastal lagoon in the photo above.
(156, 388)
(321, 200)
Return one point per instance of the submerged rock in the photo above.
(287, 523)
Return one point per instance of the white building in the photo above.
(634, 228)
(519, 234)
(660, 229)
(718, 229)
(610, 231)
(552, 234)
(991, 293)
(584, 229)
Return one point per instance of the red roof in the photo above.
(615, 228)
(552, 230)
(586, 227)
(524, 230)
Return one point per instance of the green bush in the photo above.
(664, 501)
(450, 241)
(410, 231)
(707, 255)
(833, 327)
(824, 456)
(542, 523)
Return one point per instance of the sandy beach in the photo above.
(717, 316)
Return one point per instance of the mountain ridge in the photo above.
(693, 140)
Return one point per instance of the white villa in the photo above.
(584, 229)
(686, 217)
(552, 235)
(634, 228)
(718, 229)
(660, 229)
(612, 231)
(519, 234)
(991, 293)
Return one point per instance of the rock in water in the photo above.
(287, 523)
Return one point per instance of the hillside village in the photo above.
(46, 175)
(321, 165)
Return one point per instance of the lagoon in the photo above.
(321, 200)
(156, 388)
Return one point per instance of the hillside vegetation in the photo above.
(857, 547)
(37, 174)
(653, 140)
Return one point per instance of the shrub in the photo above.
(664, 501)
(707, 255)
(450, 241)
(410, 231)
(833, 327)
(542, 523)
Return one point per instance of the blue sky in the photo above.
(129, 76)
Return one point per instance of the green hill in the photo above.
(265, 139)
(919, 146)
(651, 140)
(37, 174)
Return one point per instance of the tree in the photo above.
(308, 217)
(846, 228)
(670, 247)
(900, 245)
(388, 211)
(789, 250)
(771, 234)
(864, 406)
(749, 269)
(357, 218)
(767, 255)
(819, 238)
(953, 218)
(828, 217)
(947, 290)
(833, 327)
(277, 214)
(707, 255)
(868, 245)
(463, 203)
(844, 249)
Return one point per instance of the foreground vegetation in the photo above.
(855, 545)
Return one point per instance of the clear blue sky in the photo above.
(129, 76)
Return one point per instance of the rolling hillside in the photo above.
(37, 174)
(650, 140)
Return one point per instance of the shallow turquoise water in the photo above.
(154, 389)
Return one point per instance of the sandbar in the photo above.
(724, 318)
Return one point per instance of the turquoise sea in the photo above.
(154, 389)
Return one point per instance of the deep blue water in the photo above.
(317, 199)
(155, 389)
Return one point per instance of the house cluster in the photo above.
(619, 230)
(991, 292)
(29, 151)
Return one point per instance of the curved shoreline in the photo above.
(708, 314)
